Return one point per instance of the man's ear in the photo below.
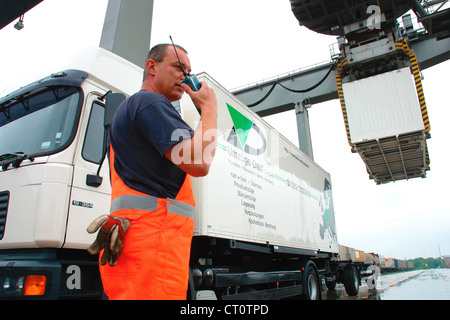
(150, 65)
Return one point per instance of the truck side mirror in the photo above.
(113, 100)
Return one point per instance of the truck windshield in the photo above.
(39, 122)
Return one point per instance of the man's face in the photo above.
(168, 74)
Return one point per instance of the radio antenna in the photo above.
(179, 61)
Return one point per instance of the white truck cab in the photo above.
(52, 143)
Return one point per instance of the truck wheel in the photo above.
(311, 282)
(351, 281)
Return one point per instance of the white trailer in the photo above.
(265, 224)
(261, 188)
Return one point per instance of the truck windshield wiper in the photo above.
(15, 159)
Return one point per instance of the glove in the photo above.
(110, 237)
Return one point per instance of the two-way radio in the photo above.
(190, 79)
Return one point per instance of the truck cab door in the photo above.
(87, 202)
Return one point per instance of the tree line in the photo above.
(428, 263)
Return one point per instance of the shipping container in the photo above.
(388, 263)
(387, 125)
(345, 253)
(373, 257)
(382, 106)
(400, 264)
(348, 253)
(359, 256)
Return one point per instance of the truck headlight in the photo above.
(22, 285)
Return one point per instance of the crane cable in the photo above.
(332, 67)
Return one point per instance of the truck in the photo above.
(264, 220)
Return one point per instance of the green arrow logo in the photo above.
(241, 124)
(240, 131)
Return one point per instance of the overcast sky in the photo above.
(242, 42)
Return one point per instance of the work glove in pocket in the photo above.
(110, 237)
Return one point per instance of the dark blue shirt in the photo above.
(141, 131)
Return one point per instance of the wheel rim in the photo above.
(313, 288)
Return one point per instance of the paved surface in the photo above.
(433, 284)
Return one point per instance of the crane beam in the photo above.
(429, 52)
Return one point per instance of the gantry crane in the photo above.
(372, 47)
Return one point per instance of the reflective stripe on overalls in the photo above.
(154, 263)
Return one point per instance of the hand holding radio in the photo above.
(205, 97)
(191, 84)
(192, 81)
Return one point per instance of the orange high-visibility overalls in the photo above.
(154, 263)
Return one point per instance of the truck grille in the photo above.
(4, 200)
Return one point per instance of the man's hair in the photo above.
(158, 52)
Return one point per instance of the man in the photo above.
(152, 198)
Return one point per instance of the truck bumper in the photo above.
(29, 279)
(49, 274)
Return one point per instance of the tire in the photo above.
(311, 282)
(351, 281)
